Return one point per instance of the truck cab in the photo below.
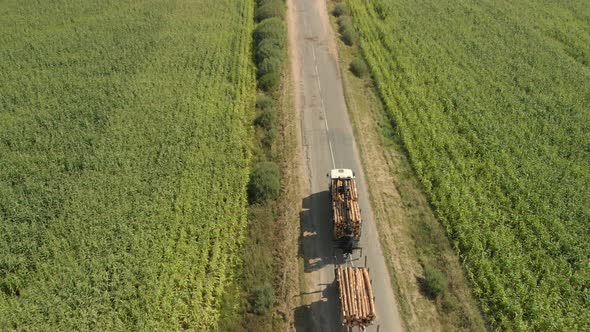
(341, 173)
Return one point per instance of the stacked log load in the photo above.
(345, 206)
(357, 303)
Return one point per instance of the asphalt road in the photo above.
(328, 143)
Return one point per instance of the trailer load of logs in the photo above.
(345, 208)
(357, 303)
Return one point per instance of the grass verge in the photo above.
(271, 245)
(270, 278)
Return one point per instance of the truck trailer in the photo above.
(355, 293)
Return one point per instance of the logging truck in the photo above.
(357, 301)
(355, 292)
(346, 212)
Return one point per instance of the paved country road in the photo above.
(328, 143)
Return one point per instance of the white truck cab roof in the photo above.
(341, 173)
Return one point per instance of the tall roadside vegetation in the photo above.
(491, 102)
(124, 153)
(263, 261)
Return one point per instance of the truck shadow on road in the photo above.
(320, 315)
(316, 246)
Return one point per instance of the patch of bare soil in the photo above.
(286, 240)
(290, 152)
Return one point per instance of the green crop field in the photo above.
(124, 139)
(492, 101)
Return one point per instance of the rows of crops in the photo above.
(491, 99)
(123, 161)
